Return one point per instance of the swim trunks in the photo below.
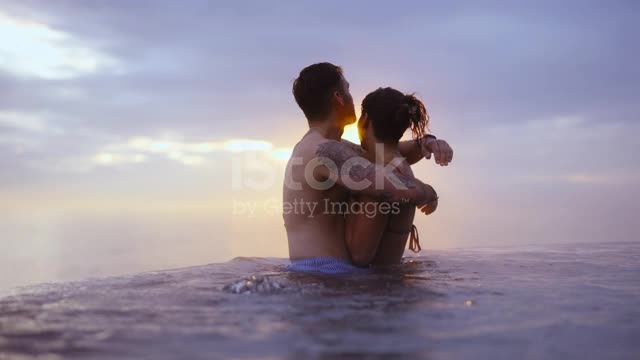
(324, 265)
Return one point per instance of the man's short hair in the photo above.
(314, 87)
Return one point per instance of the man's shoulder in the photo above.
(307, 146)
(342, 149)
(318, 146)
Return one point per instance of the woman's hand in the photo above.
(442, 152)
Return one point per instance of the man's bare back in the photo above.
(312, 231)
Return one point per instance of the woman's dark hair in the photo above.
(391, 113)
(314, 86)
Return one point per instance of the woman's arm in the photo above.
(364, 229)
(415, 151)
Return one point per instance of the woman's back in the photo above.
(399, 227)
(380, 240)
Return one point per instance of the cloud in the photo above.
(29, 122)
(489, 64)
(34, 49)
(137, 149)
(586, 179)
(109, 159)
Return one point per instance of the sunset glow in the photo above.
(351, 134)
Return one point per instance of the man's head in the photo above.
(322, 91)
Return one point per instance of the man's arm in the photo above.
(415, 150)
(343, 163)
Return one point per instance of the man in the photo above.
(324, 170)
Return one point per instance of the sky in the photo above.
(123, 124)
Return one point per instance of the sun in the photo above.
(351, 133)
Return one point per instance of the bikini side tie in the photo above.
(414, 240)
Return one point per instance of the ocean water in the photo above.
(545, 302)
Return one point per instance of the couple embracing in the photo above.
(348, 207)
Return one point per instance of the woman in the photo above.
(379, 239)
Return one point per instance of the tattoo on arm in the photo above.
(337, 153)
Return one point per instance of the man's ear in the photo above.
(338, 97)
